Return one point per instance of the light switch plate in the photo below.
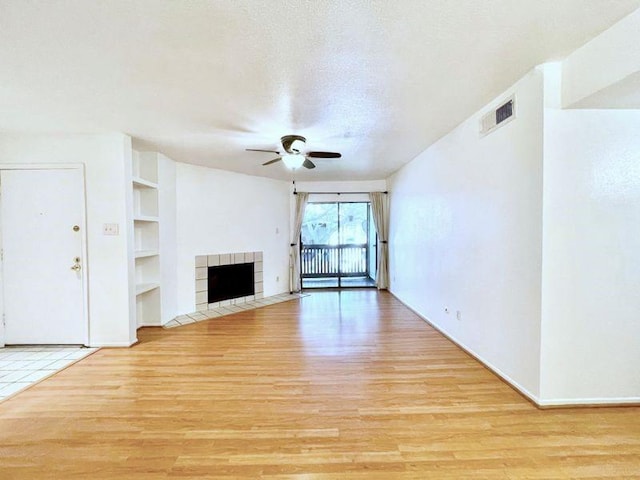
(110, 229)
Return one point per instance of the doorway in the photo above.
(338, 246)
(43, 250)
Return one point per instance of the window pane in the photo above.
(320, 224)
(353, 223)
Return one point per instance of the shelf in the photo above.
(145, 253)
(145, 218)
(146, 236)
(141, 182)
(146, 287)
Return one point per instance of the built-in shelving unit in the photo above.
(146, 238)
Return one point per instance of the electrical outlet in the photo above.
(459, 315)
(277, 279)
(110, 229)
(446, 310)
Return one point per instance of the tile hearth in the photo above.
(231, 309)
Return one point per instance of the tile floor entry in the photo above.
(22, 366)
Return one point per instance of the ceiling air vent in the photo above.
(498, 117)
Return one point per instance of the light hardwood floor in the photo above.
(332, 386)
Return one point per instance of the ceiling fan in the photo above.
(293, 156)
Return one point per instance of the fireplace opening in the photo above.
(230, 281)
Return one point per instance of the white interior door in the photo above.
(42, 265)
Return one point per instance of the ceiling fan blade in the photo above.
(324, 155)
(259, 150)
(308, 164)
(272, 161)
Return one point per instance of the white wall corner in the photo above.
(127, 159)
(605, 72)
(168, 238)
(552, 74)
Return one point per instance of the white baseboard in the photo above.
(539, 402)
(149, 325)
(589, 402)
(112, 344)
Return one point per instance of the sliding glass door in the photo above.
(338, 245)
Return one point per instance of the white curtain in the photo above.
(380, 211)
(294, 255)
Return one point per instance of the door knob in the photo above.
(76, 265)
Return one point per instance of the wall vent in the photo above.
(498, 116)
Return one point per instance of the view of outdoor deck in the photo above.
(338, 246)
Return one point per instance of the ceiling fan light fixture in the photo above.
(295, 155)
(293, 161)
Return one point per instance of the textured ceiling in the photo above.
(200, 81)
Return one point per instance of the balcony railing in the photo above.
(334, 260)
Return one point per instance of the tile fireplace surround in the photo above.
(203, 262)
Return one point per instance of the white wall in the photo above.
(466, 234)
(342, 187)
(222, 212)
(468, 217)
(591, 289)
(591, 73)
(106, 159)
